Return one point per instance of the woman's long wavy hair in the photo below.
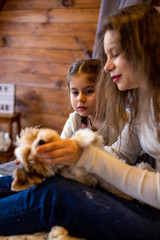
(138, 27)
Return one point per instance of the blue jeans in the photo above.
(84, 211)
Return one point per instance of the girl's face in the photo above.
(82, 95)
(122, 73)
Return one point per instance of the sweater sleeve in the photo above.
(140, 184)
(126, 147)
(72, 124)
(67, 131)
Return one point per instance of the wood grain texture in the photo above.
(39, 41)
(47, 42)
(32, 67)
(40, 55)
(49, 29)
(49, 4)
(155, 2)
(51, 16)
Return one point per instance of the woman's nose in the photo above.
(109, 66)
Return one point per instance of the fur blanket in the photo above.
(56, 233)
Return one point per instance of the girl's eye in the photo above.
(75, 93)
(89, 91)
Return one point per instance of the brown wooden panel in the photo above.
(29, 67)
(30, 119)
(43, 107)
(34, 80)
(76, 15)
(2, 2)
(41, 4)
(50, 29)
(38, 100)
(155, 2)
(53, 16)
(39, 40)
(72, 43)
(43, 120)
(40, 55)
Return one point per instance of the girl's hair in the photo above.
(138, 27)
(84, 66)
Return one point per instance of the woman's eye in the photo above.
(115, 55)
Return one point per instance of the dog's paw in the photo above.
(86, 138)
(145, 166)
(60, 233)
(23, 180)
(57, 232)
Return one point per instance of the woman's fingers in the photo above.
(65, 151)
(50, 146)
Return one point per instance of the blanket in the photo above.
(56, 233)
(7, 168)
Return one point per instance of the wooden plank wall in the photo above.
(39, 40)
(155, 2)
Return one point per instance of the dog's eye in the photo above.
(40, 142)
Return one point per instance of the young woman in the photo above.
(130, 54)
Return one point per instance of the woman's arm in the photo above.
(139, 184)
(142, 185)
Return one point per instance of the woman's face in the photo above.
(121, 71)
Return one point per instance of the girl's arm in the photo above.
(67, 130)
(72, 124)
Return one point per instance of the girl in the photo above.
(81, 81)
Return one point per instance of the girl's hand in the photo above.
(63, 151)
(16, 162)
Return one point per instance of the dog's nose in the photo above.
(40, 142)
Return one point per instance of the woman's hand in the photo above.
(63, 151)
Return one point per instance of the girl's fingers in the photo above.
(16, 162)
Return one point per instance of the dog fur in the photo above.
(32, 172)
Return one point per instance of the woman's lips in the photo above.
(116, 78)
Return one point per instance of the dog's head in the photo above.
(31, 171)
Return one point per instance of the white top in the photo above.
(140, 184)
(72, 124)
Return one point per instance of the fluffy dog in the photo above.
(32, 172)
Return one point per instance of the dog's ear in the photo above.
(23, 180)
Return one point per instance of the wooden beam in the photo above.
(155, 2)
(2, 2)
